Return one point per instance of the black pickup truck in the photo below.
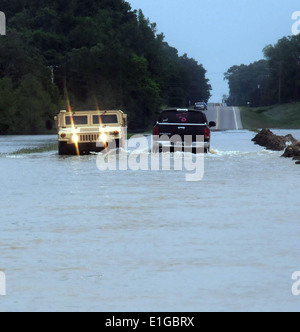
(181, 129)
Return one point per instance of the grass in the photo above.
(40, 149)
(285, 116)
(54, 146)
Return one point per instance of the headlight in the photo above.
(75, 138)
(63, 135)
(103, 137)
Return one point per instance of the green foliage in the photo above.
(275, 80)
(32, 106)
(284, 64)
(99, 52)
(249, 84)
(7, 99)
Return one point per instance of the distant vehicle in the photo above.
(181, 123)
(201, 106)
(79, 132)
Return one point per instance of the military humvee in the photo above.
(84, 132)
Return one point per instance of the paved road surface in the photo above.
(226, 118)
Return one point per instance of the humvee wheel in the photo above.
(63, 148)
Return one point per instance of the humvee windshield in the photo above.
(77, 120)
(105, 119)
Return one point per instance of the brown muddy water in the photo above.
(73, 238)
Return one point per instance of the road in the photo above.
(226, 118)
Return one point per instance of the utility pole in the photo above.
(52, 72)
(259, 94)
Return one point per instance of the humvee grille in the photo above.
(89, 138)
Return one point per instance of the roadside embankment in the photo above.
(286, 116)
(288, 143)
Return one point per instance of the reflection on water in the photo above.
(74, 238)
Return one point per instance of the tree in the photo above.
(101, 52)
(248, 84)
(284, 62)
(274, 80)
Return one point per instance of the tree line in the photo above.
(96, 53)
(270, 81)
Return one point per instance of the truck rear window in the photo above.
(182, 117)
(77, 120)
(105, 119)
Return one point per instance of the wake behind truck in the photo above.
(84, 132)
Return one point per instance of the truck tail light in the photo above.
(207, 133)
(156, 131)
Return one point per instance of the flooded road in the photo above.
(74, 238)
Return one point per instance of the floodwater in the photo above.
(74, 238)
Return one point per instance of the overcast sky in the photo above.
(220, 33)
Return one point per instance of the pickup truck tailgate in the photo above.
(182, 130)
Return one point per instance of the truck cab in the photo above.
(83, 132)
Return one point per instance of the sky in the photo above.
(220, 33)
